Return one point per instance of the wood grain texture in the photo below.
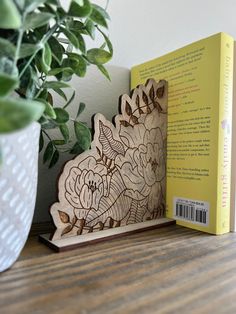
(169, 270)
(121, 180)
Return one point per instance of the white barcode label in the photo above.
(196, 212)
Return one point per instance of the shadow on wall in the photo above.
(99, 95)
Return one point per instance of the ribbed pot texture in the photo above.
(18, 186)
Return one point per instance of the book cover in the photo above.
(199, 130)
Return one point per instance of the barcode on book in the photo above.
(196, 212)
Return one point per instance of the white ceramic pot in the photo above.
(18, 186)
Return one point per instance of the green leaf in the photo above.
(46, 58)
(49, 98)
(78, 64)
(82, 46)
(89, 25)
(49, 111)
(67, 76)
(31, 90)
(83, 135)
(7, 84)
(57, 49)
(62, 115)
(41, 141)
(35, 20)
(18, 113)
(75, 25)
(107, 40)
(7, 66)
(54, 159)
(81, 109)
(56, 71)
(70, 100)
(48, 152)
(7, 48)
(103, 46)
(43, 94)
(65, 132)
(63, 40)
(98, 16)
(48, 8)
(104, 71)
(98, 56)
(102, 11)
(28, 82)
(55, 84)
(60, 92)
(79, 38)
(80, 8)
(54, 2)
(20, 4)
(27, 50)
(31, 5)
(9, 15)
(59, 142)
(47, 124)
(72, 38)
(76, 149)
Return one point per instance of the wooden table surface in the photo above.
(170, 270)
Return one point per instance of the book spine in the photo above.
(225, 135)
(233, 156)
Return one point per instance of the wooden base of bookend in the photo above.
(71, 243)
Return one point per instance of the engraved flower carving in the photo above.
(86, 185)
(143, 166)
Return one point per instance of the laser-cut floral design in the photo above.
(121, 179)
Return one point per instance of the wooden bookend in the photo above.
(117, 186)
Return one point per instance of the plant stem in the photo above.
(50, 140)
(19, 41)
(43, 78)
(55, 146)
(47, 135)
(40, 45)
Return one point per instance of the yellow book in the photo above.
(200, 78)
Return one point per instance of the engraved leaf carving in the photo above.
(79, 231)
(134, 119)
(99, 152)
(151, 93)
(137, 101)
(148, 109)
(125, 123)
(64, 217)
(145, 98)
(128, 109)
(111, 147)
(160, 92)
(157, 105)
(67, 229)
(74, 220)
(136, 212)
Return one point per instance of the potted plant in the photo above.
(42, 45)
